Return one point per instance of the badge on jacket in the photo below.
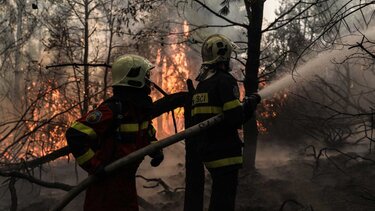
(94, 117)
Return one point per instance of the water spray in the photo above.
(315, 66)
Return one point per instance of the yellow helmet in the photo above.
(130, 70)
(216, 48)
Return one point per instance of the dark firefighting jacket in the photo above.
(220, 145)
(113, 130)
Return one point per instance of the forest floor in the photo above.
(287, 178)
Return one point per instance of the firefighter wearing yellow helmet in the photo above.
(116, 128)
(218, 149)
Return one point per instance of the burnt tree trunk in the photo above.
(254, 35)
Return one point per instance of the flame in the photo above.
(46, 122)
(172, 72)
(41, 129)
(49, 134)
(269, 109)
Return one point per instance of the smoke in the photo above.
(316, 66)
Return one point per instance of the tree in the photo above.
(70, 35)
(83, 34)
(298, 28)
(336, 25)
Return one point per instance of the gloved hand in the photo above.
(188, 102)
(157, 158)
(190, 86)
(249, 104)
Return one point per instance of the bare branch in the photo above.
(54, 185)
(220, 16)
(78, 64)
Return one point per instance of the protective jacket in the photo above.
(113, 130)
(219, 146)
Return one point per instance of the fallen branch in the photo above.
(295, 203)
(158, 181)
(324, 151)
(36, 162)
(55, 185)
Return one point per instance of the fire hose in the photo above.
(139, 154)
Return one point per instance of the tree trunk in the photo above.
(85, 60)
(111, 33)
(254, 35)
(17, 66)
(107, 62)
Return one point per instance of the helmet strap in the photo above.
(205, 72)
(223, 66)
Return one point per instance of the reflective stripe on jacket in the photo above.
(98, 138)
(219, 146)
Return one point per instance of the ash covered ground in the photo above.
(287, 178)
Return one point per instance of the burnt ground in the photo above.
(337, 184)
(291, 178)
(287, 178)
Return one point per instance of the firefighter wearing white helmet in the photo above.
(131, 70)
(218, 149)
(216, 48)
(119, 126)
(216, 53)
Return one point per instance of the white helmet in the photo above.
(130, 70)
(216, 48)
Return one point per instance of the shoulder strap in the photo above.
(116, 106)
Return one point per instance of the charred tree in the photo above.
(254, 11)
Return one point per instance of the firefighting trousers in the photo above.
(194, 184)
(115, 192)
(224, 188)
(224, 185)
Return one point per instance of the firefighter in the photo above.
(118, 127)
(219, 149)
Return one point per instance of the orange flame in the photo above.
(41, 129)
(269, 109)
(172, 72)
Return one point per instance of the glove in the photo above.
(190, 86)
(188, 102)
(157, 158)
(250, 104)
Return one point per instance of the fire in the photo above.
(171, 74)
(51, 107)
(269, 109)
(48, 120)
(42, 127)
